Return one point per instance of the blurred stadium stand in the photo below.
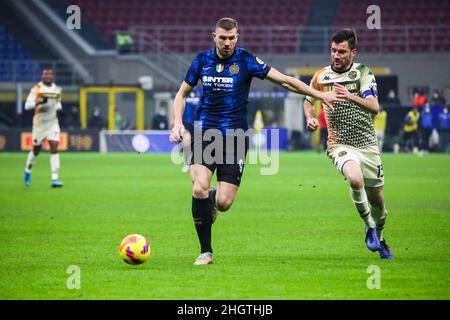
(407, 26)
(16, 58)
(25, 50)
(282, 26)
(10, 51)
(168, 33)
(412, 46)
(318, 27)
(184, 27)
(89, 32)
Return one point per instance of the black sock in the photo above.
(212, 196)
(201, 212)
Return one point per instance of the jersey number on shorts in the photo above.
(380, 173)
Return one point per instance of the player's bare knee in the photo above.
(224, 203)
(199, 190)
(355, 180)
(353, 174)
(357, 184)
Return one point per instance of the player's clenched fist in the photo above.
(312, 124)
(176, 134)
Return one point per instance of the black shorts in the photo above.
(227, 156)
(189, 127)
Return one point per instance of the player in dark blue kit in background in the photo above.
(191, 118)
(226, 73)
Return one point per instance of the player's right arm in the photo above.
(33, 102)
(297, 86)
(311, 122)
(178, 109)
(190, 81)
(308, 105)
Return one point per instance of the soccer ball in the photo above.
(134, 249)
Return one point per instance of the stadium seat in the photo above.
(402, 24)
(17, 64)
(109, 16)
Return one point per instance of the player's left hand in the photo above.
(328, 98)
(41, 109)
(177, 132)
(342, 92)
(312, 124)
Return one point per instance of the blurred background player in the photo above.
(411, 131)
(226, 73)
(45, 99)
(352, 142)
(426, 126)
(191, 120)
(379, 123)
(444, 130)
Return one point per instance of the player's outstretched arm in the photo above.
(311, 122)
(297, 86)
(370, 103)
(178, 109)
(31, 102)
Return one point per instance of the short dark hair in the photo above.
(227, 24)
(47, 69)
(345, 34)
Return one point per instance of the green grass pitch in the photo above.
(294, 235)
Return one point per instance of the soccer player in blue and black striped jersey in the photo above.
(226, 73)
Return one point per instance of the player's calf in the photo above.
(201, 214)
(54, 165)
(212, 200)
(28, 166)
(377, 208)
